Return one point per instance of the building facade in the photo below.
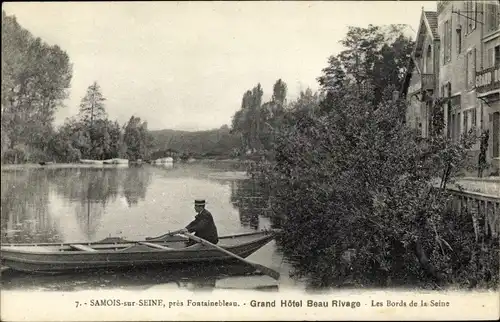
(487, 80)
(423, 74)
(465, 49)
(468, 73)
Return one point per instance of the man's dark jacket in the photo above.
(204, 227)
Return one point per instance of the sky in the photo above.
(186, 65)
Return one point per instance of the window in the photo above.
(471, 68)
(496, 134)
(466, 120)
(446, 89)
(459, 39)
(449, 122)
(490, 58)
(474, 14)
(454, 126)
(428, 61)
(473, 118)
(447, 42)
(492, 18)
(451, 127)
(496, 60)
(471, 13)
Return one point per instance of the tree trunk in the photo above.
(425, 263)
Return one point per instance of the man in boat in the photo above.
(203, 224)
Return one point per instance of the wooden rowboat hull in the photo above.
(53, 258)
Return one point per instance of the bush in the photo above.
(14, 156)
(37, 155)
(356, 189)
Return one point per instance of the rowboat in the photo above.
(96, 162)
(115, 252)
(116, 161)
(163, 160)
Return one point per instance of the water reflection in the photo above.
(201, 277)
(252, 199)
(30, 213)
(24, 211)
(89, 204)
(38, 203)
(136, 185)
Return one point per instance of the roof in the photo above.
(432, 19)
(427, 26)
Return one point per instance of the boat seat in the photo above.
(83, 247)
(155, 246)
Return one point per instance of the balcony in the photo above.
(488, 79)
(421, 83)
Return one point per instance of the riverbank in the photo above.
(86, 165)
(487, 185)
(24, 166)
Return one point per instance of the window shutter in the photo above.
(467, 13)
(471, 68)
(465, 120)
(474, 14)
(489, 58)
(473, 71)
(443, 48)
(495, 18)
(474, 117)
(467, 64)
(492, 17)
(449, 40)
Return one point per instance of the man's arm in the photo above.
(190, 226)
(196, 224)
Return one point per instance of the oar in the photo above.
(266, 270)
(165, 235)
(106, 240)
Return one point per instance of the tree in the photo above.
(35, 81)
(255, 121)
(70, 143)
(279, 93)
(374, 58)
(278, 104)
(116, 145)
(137, 139)
(93, 116)
(242, 122)
(92, 105)
(255, 108)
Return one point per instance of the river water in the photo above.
(78, 204)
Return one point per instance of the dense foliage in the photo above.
(361, 194)
(357, 191)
